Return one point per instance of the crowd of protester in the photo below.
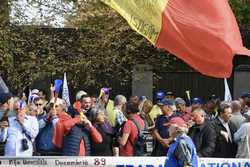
(99, 126)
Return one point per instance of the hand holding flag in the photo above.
(57, 87)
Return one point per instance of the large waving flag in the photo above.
(203, 33)
(65, 93)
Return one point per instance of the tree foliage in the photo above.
(241, 9)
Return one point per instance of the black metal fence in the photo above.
(199, 85)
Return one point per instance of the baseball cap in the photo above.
(245, 94)
(80, 94)
(177, 121)
(34, 91)
(169, 93)
(166, 102)
(159, 95)
(197, 100)
(213, 97)
(142, 98)
(179, 100)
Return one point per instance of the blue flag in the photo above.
(57, 84)
(65, 93)
(3, 87)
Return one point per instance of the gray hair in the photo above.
(119, 100)
(199, 110)
(182, 130)
(94, 112)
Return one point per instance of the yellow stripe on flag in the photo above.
(144, 16)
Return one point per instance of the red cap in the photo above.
(178, 121)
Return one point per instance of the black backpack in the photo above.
(144, 142)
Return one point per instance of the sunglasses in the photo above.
(38, 104)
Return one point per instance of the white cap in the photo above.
(33, 97)
(80, 94)
(34, 91)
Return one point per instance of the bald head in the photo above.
(236, 106)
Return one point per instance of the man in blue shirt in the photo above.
(182, 151)
(161, 132)
(19, 132)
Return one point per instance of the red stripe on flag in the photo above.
(202, 33)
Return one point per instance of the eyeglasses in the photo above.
(38, 104)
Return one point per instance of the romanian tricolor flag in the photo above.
(203, 33)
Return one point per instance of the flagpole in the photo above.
(188, 96)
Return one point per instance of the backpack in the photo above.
(144, 142)
(44, 139)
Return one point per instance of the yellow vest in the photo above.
(155, 112)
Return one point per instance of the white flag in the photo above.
(65, 93)
(228, 97)
(3, 87)
(30, 97)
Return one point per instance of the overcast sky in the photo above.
(40, 15)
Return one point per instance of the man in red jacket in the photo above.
(64, 126)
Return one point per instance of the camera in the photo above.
(25, 145)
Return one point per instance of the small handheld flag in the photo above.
(65, 93)
(57, 84)
(227, 97)
(3, 87)
(101, 94)
(30, 97)
(188, 95)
